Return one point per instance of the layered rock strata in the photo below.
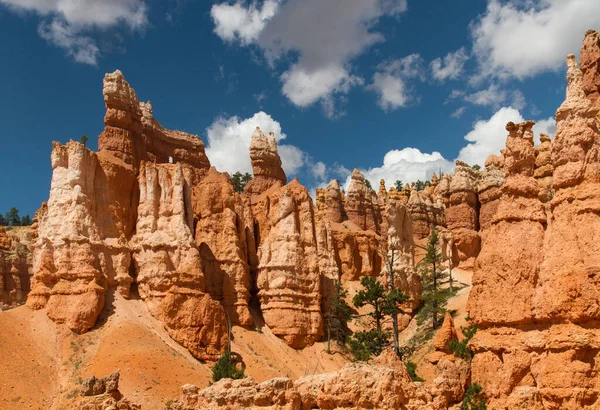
(535, 293)
(462, 214)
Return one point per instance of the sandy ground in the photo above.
(42, 364)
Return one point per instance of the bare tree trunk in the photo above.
(390, 261)
(435, 302)
(329, 332)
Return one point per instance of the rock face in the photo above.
(288, 276)
(266, 164)
(15, 266)
(462, 215)
(535, 293)
(383, 385)
(126, 215)
(146, 216)
(221, 239)
(170, 277)
(103, 393)
(445, 334)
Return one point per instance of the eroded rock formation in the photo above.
(103, 394)
(535, 294)
(15, 265)
(385, 384)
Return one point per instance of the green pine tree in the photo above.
(240, 180)
(84, 140)
(384, 304)
(399, 185)
(12, 217)
(368, 184)
(26, 220)
(434, 295)
(338, 316)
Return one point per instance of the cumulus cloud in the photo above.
(449, 67)
(228, 144)
(520, 39)
(242, 23)
(494, 96)
(407, 165)
(69, 24)
(489, 136)
(389, 82)
(320, 56)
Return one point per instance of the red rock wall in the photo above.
(535, 295)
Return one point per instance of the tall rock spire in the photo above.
(266, 163)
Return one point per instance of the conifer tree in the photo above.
(240, 180)
(338, 316)
(384, 304)
(433, 294)
(12, 217)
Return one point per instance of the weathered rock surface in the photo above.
(221, 239)
(129, 199)
(168, 262)
(445, 334)
(266, 164)
(462, 215)
(288, 276)
(103, 394)
(15, 265)
(385, 384)
(535, 294)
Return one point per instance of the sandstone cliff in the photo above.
(535, 293)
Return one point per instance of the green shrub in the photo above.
(411, 368)
(459, 348)
(225, 369)
(364, 345)
(473, 398)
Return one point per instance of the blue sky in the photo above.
(396, 88)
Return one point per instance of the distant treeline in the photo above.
(12, 218)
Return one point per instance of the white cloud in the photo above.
(318, 170)
(520, 39)
(451, 66)
(459, 112)
(304, 88)
(321, 37)
(389, 82)
(82, 48)
(546, 126)
(495, 95)
(228, 144)
(69, 24)
(488, 136)
(407, 165)
(240, 22)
